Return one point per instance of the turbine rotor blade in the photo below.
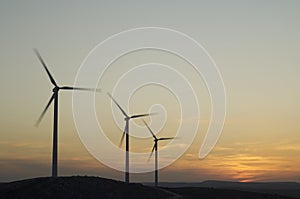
(166, 138)
(45, 66)
(151, 152)
(82, 89)
(44, 111)
(122, 138)
(124, 113)
(141, 115)
(150, 130)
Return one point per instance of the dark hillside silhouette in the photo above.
(77, 188)
(84, 187)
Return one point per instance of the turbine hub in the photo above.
(127, 118)
(55, 89)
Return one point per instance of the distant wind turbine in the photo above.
(54, 98)
(155, 146)
(126, 131)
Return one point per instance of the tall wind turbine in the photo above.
(54, 98)
(126, 131)
(155, 146)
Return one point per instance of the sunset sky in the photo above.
(255, 44)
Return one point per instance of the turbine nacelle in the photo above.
(127, 119)
(55, 89)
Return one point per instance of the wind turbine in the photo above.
(126, 131)
(155, 146)
(54, 98)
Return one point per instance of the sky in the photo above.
(255, 45)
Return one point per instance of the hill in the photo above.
(291, 189)
(211, 193)
(84, 187)
(77, 187)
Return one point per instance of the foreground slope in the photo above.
(77, 188)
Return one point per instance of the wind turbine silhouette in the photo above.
(54, 98)
(126, 131)
(155, 146)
